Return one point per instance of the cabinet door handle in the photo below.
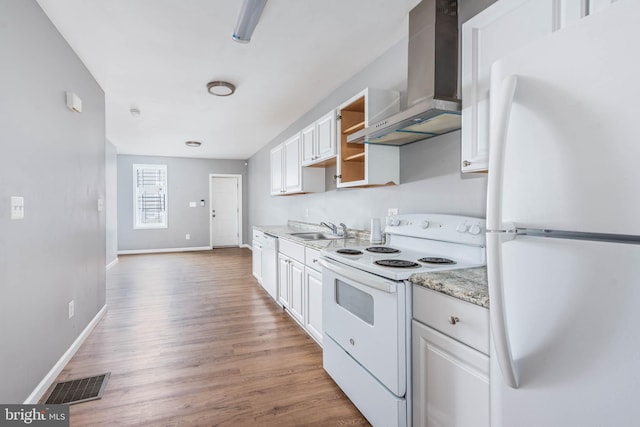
(466, 163)
(454, 319)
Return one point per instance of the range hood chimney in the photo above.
(432, 82)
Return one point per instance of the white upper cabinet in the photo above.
(501, 28)
(326, 136)
(319, 141)
(361, 165)
(292, 166)
(308, 137)
(277, 169)
(287, 174)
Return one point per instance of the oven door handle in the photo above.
(366, 279)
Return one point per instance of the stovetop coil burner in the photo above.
(397, 263)
(382, 250)
(437, 260)
(349, 252)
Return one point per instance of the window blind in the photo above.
(150, 205)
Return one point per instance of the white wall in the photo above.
(55, 159)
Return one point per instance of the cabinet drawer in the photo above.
(311, 257)
(292, 250)
(439, 311)
(258, 235)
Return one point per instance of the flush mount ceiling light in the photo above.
(248, 19)
(220, 88)
(193, 144)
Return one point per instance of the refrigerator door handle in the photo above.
(500, 108)
(499, 330)
(502, 97)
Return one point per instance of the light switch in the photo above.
(17, 207)
(192, 204)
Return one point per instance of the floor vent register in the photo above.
(78, 391)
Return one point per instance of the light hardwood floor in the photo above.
(191, 339)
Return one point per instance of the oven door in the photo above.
(365, 315)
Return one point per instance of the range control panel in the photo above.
(449, 228)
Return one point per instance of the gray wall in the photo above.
(55, 159)
(188, 180)
(430, 177)
(111, 201)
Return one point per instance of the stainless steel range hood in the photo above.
(432, 81)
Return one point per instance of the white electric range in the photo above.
(367, 306)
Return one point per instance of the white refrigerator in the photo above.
(563, 227)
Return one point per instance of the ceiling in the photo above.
(158, 55)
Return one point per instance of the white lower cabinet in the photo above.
(300, 286)
(313, 300)
(450, 381)
(450, 376)
(296, 287)
(283, 280)
(290, 286)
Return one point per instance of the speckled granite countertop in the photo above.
(356, 237)
(468, 284)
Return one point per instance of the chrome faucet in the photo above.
(330, 226)
(345, 231)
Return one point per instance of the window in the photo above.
(150, 196)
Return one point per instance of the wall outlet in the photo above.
(71, 309)
(187, 236)
(392, 211)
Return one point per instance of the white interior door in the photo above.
(225, 212)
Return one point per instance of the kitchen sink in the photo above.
(315, 236)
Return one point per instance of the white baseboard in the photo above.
(244, 245)
(49, 379)
(111, 264)
(158, 251)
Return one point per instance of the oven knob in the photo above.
(425, 224)
(461, 228)
(474, 229)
